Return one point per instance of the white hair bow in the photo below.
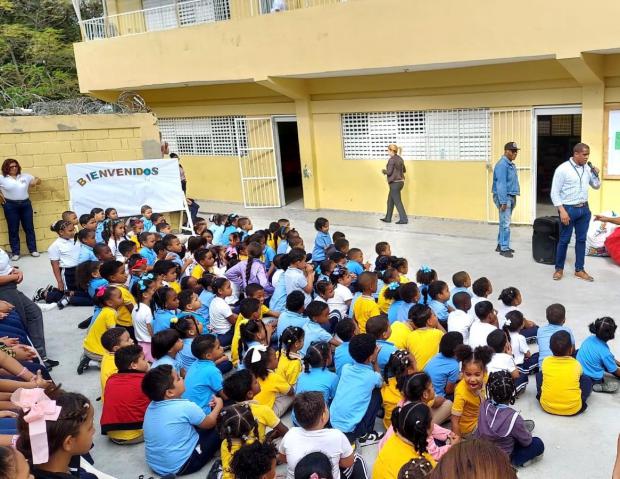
(256, 353)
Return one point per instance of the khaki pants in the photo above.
(282, 404)
(442, 413)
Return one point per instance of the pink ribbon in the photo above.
(38, 408)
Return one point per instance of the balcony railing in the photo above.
(180, 13)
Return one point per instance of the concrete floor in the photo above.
(579, 447)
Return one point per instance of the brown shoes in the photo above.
(583, 275)
(558, 274)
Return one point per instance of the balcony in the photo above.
(180, 13)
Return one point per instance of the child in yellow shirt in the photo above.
(423, 341)
(114, 272)
(289, 359)
(400, 365)
(205, 260)
(470, 391)
(365, 307)
(236, 426)
(112, 340)
(109, 299)
(391, 279)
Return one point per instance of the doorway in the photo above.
(289, 159)
(557, 131)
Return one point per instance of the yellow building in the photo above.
(261, 96)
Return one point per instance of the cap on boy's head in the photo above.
(511, 146)
(249, 306)
(345, 329)
(308, 408)
(377, 326)
(361, 347)
(203, 345)
(556, 314)
(112, 338)
(237, 385)
(483, 309)
(157, 381)
(125, 356)
(462, 301)
(560, 343)
(449, 342)
(295, 301)
(460, 278)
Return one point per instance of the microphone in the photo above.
(590, 165)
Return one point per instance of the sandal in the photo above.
(607, 387)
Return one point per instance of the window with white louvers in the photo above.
(463, 134)
(201, 136)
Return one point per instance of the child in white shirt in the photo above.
(459, 319)
(502, 360)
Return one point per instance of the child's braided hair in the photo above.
(236, 422)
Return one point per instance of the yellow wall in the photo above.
(44, 145)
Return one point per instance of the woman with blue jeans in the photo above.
(14, 189)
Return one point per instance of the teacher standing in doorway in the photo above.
(569, 194)
(14, 195)
(395, 172)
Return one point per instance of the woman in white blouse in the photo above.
(14, 195)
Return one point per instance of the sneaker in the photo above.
(35, 254)
(506, 254)
(529, 425)
(39, 295)
(50, 363)
(63, 302)
(531, 340)
(86, 323)
(15, 257)
(370, 438)
(498, 249)
(84, 365)
(47, 307)
(607, 387)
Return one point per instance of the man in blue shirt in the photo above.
(505, 192)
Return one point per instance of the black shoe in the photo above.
(83, 366)
(385, 220)
(63, 302)
(498, 249)
(506, 254)
(371, 438)
(50, 363)
(401, 222)
(86, 323)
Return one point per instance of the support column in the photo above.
(592, 122)
(309, 173)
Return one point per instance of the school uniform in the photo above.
(519, 350)
(354, 267)
(442, 370)
(271, 388)
(86, 254)
(423, 344)
(318, 379)
(124, 315)
(313, 332)
(92, 342)
(290, 318)
(149, 255)
(400, 333)
(391, 396)
(441, 311)
(342, 294)
(544, 340)
(185, 357)
(67, 253)
(342, 357)
(354, 409)
(506, 362)
(167, 360)
(205, 298)
(479, 332)
(466, 405)
(321, 243)
(141, 317)
(460, 322)
(162, 319)
(387, 348)
(364, 309)
(108, 367)
(99, 231)
(562, 392)
(399, 311)
(289, 367)
(277, 302)
(202, 381)
(394, 454)
(219, 312)
(295, 280)
(596, 358)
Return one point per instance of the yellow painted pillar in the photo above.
(592, 120)
(309, 173)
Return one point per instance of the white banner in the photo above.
(126, 186)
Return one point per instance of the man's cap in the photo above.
(511, 145)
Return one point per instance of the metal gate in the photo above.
(513, 125)
(257, 163)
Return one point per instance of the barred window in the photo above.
(201, 136)
(423, 135)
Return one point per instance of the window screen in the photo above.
(423, 135)
(203, 136)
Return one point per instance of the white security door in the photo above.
(257, 163)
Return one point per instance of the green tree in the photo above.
(36, 53)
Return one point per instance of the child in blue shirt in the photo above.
(322, 241)
(405, 296)
(345, 330)
(462, 282)
(190, 304)
(356, 265)
(207, 294)
(187, 328)
(379, 328)
(293, 314)
(439, 293)
(299, 276)
(556, 316)
(203, 379)
(165, 347)
(166, 308)
(316, 376)
(424, 277)
(318, 315)
(358, 395)
(148, 240)
(87, 240)
(99, 216)
(146, 212)
(443, 368)
(595, 357)
(179, 438)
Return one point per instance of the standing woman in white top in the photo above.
(14, 189)
(64, 254)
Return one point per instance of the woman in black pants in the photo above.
(395, 172)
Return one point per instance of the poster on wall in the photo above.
(126, 186)
(612, 167)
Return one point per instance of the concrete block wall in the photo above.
(43, 145)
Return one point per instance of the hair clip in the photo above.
(100, 291)
(139, 264)
(507, 322)
(256, 353)
(174, 320)
(393, 285)
(425, 269)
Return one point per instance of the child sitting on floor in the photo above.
(112, 340)
(503, 360)
(423, 341)
(439, 294)
(596, 358)
(405, 296)
(345, 330)
(165, 347)
(316, 376)
(236, 426)
(254, 461)
(289, 357)
(502, 425)
(443, 368)
(379, 328)
(365, 307)
(315, 328)
(125, 403)
(204, 379)
(527, 363)
(399, 366)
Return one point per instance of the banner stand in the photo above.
(189, 228)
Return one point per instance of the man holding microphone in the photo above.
(569, 194)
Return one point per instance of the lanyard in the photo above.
(583, 170)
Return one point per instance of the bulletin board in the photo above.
(612, 145)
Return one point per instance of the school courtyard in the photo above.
(583, 446)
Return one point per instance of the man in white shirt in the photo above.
(480, 330)
(569, 194)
